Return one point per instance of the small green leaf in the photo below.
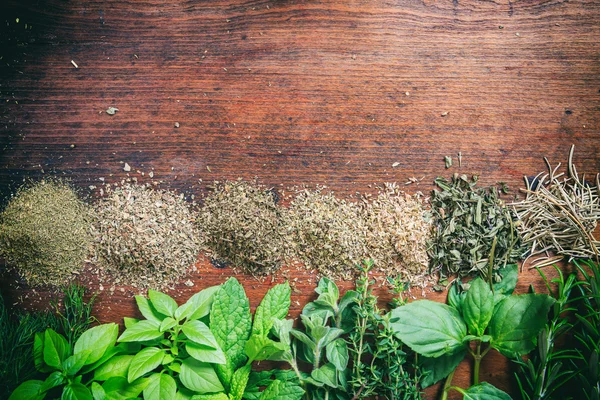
(198, 305)
(167, 324)
(275, 305)
(98, 392)
(38, 353)
(97, 340)
(56, 348)
(510, 275)
(28, 390)
(148, 310)
(144, 361)
(160, 387)
(76, 391)
(429, 328)
(142, 331)
(129, 322)
(73, 364)
(337, 354)
(199, 333)
(53, 380)
(163, 303)
(440, 367)
(118, 387)
(199, 377)
(205, 354)
(517, 321)
(326, 375)
(215, 396)
(116, 366)
(259, 380)
(478, 307)
(239, 382)
(484, 391)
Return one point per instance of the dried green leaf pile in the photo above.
(44, 233)
(143, 236)
(241, 223)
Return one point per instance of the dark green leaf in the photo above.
(275, 305)
(118, 386)
(326, 375)
(76, 391)
(440, 367)
(510, 275)
(28, 390)
(478, 307)
(53, 380)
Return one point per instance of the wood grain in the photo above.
(292, 92)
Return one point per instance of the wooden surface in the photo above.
(292, 92)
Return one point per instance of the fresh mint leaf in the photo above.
(142, 331)
(275, 305)
(148, 310)
(230, 322)
(337, 354)
(478, 307)
(326, 375)
(116, 366)
(160, 387)
(76, 391)
(56, 348)
(205, 353)
(97, 340)
(484, 391)
(517, 321)
(145, 361)
(163, 303)
(262, 379)
(440, 367)
(198, 305)
(199, 377)
(429, 328)
(28, 390)
(239, 382)
(282, 390)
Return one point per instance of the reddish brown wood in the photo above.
(319, 92)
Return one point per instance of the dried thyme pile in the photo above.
(242, 225)
(467, 220)
(44, 233)
(144, 237)
(560, 214)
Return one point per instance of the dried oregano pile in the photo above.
(44, 232)
(242, 224)
(144, 237)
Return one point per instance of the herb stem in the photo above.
(448, 385)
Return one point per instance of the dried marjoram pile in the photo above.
(242, 225)
(144, 237)
(44, 232)
(398, 233)
(559, 214)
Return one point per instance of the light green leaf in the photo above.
(98, 392)
(167, 324)
(478, 307)
(216, 396)
(56, 348)
(275, 305)
(160, 387)
(129, 322)
(116, 366)
(337, 354)
(73, 364)
(144, 361)
(199, 377)
(239, 382)
(118, 387)
(326, 375)
(199, 333)
(163, 303)
(198, 305)
(429, 328)
(260, 348)
(440, 367)
(259, 380)
(205, 354)
(484, 391)
(517, 321)
(148, 310)
(28, 390)
(282, 390)
(97, 340)
(53, 380)
(76, 391)
(142, 331)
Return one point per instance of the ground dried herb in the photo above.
(241, 223)
(44, 232)
(144, 237)
(467, 221)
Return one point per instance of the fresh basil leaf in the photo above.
(478, 307)
(337, 354)
(163, 303)
(455, 298)
(73, 364)
(116, 366)
(326, 375)
(199, 333)
(440, 367)
(56, 348)
(205, 354)
(119, 387)
(429, 328)
(198, 305)
(230, 322)
(121, 348)
(53, 380)
(129, 322)
(98, 392)
(199, 377)
(160, 387)
(239, 380)
(28, 390)
(510, 275)
(148, 310)
(143, 330)
(38, 353)
(97, 340)
(144, 361)
(517, 321)
(167, 324)
(76, 391)
(484, 391)
(183, 394)
(275, 305)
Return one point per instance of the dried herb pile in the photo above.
(242, 224)
(143, 236)
(44, 232)
(559, 214)
(470, 222)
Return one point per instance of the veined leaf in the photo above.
(275, 305)
(76, 391)
(116, 366)
(163, 303)
(478, 307)
(337, 354)
(160, 387)
(198, 305)
(120, 388)
(142, 331)
(97, 340)
(199, 333)
(484, 391)
(144, 361)
(148, 310)
(440, 367)
(53, 380)
(28, 390)
(56, 348)
(205, 354)
(199, 377)
(73, 364)
(239, 382)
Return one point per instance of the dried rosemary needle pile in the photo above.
(144, 237)
(242, 225)
(559, 215)
(44, 232)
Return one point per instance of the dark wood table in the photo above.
(340, 93)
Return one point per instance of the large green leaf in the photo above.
(198, 305)
(28, 390)
(160, 387)
(275, 305)
(144, 361)
(199, 377)
(478, 307)
(76, 391)
(199, 333)
(97, 340)
(429, 328)
(484, 391)
(142, 331)
(56, 348)
(116, 366)
(440, 367)
(163, 303)
(73, 364)
(517, 321)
